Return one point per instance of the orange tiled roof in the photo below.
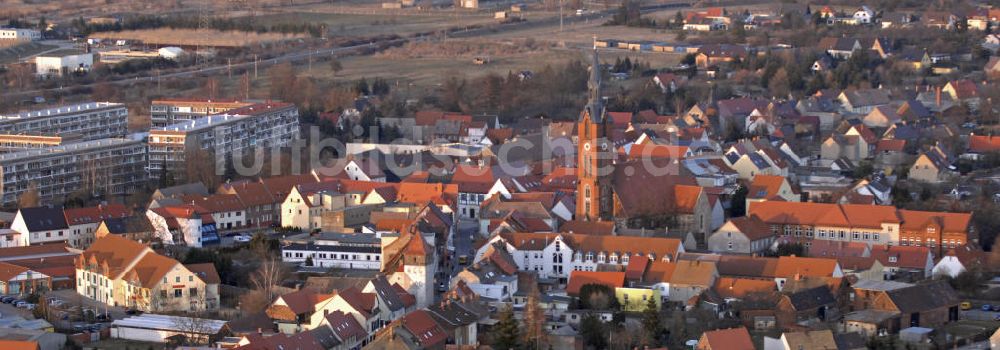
(765, 186)
(9, 271)
(578, 279)
(686, 198)
(739, 288)
(789, 266)
(949, 222)
(984, 143)
(728, 339)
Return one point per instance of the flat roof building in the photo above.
(108, 166)
(167, 112)
(242, 130)
(91, 120)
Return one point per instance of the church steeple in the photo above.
(595, 102)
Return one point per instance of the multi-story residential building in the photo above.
(91, 120)
(21, 142)
(120, 272)
(165, 112)
(20, 34)
(556, 255)
(871, 224)
(346, 251)
(240, 131)
(112, 167)
(183, 224)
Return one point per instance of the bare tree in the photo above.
(534, 322)
(195, 329)
(268, 275)
(30, 197)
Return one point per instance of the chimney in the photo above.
(937, 96)
(798, 277)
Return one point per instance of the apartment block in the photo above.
(113, 167)
(167, 112)
(16, 143)
(256, 127)
(92, 121)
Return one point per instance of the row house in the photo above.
(555, 255)
(871, 224)
(227, 210)
(82, 223)
(119, 272)
(262, 198)
(75, 226)
(112, 166)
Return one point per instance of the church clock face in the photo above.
(586, 146)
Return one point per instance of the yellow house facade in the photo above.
(635, 299)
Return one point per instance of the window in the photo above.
(178, 293)
(867, 236)
(855, 236)
(177, 279)
(730, 245)
(875, 236)
(191, 278)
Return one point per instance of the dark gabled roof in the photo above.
(43, 219)
(453, 314)
(924, 297)
(386, 293)
(811, 298)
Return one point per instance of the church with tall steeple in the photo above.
(594, 154)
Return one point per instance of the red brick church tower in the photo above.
(594, 197)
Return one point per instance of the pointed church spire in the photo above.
(595, 103)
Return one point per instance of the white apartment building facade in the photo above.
(239, 131)
(347, 251)
(166, 112)
(20, 34)
(91, 120)
(108, 166)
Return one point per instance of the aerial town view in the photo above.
(499, 174)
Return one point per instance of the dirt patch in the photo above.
(192, 37)
(464, 49)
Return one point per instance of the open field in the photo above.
(375, 24)
(192, 37)
(12, 54)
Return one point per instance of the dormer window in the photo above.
(892, 259)
(590, 256)
(600, 257)
(625, 259)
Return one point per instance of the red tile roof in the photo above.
(9, 271)
(636, 267)
(739, 288)
(726, 339)
(984, 143)
(887, 145)
(578, 279)
(902, 256)
(421, 324)
(96, 214)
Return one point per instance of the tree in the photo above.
(361, 87)
(268, 275)
(309, 260)
(335, 66)
(597, 297)
(506, 334)
(651, 324)
(789, 249)
(592, 330)
(30, 197)
(534, 322)
(194, 329)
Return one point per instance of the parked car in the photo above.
(233, 234)
(242, 239)
(133, 312)
(966, 305)
(986, 307)
(7, 299)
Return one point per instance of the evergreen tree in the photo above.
(651, 323)
(506, 334)
(592, 330)
(361, 87)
